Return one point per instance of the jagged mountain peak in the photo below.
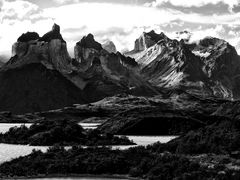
(49, 50)
(89, 42)
(53, 34)
(109, 46)
(211, 47)
(56, 28)
(184, 35)
(29, 36)
(148, 39)
(154, 36)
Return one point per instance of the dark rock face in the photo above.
(34, 88)
(3, 59)
(29, 36)
(96, 62)
(221, 64)
(53, 34)
(127, 60)
(1, 63)
(89, 42)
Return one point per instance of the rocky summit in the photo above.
(210, 67)
(109, 46)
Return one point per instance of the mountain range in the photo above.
(209, 67)
(42, 76)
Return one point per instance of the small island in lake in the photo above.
(61, 132)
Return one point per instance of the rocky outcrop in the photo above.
(29, 36)
(110, 47)
(50, 50)
(146, 40)
(85, 51)
(53, 34)
(221, 64)
(89, 42)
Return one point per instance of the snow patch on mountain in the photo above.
(201, 54)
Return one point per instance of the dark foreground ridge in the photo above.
(137, 162)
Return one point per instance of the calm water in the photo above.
(9, 152)
(89, 125)
(147, 140)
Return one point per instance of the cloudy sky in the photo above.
(121, 21)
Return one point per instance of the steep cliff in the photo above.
(50, 50)
(121, 71)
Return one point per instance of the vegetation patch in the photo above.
(62, 132)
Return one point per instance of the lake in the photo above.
(9, 151)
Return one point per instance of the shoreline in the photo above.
(73, 176)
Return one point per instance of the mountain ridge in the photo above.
(210, 67)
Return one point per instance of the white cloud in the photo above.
(17, 10)
(120, 23)
(16, 18)
(1, 3)
(102, 17)
(65, 1)
(191, 3)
